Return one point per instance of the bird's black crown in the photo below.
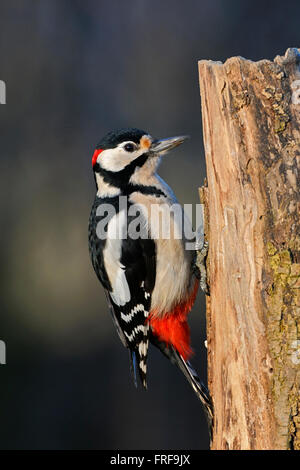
(114, 138)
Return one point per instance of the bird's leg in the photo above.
(200, 265)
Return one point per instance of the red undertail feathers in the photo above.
(173, 327)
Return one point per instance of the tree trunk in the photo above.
(251, 127)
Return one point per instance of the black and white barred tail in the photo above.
(191, 376)
(138, 359)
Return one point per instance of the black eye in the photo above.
(129, 147)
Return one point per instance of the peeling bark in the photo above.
(251, 126)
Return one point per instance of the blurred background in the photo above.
(75, 69)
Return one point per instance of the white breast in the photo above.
(173, 261)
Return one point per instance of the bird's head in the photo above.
(123, 154)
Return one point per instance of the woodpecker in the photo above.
(150, 281)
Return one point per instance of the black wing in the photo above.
(136, 275)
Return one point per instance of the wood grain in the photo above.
(251, 128)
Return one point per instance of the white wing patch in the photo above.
(121, 293)
(116, 230)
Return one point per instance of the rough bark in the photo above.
(251, 126)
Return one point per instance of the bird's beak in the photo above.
(164, 145)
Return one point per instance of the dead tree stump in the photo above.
(251, 127)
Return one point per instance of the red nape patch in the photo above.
(173, 327)
(95, 156)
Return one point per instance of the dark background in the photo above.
(74, 70)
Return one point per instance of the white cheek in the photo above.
(116, 159)
(112, 159)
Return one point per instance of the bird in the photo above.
(150, 281)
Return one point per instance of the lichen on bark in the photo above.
(283, 303)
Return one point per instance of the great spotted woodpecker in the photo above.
(150, 280)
